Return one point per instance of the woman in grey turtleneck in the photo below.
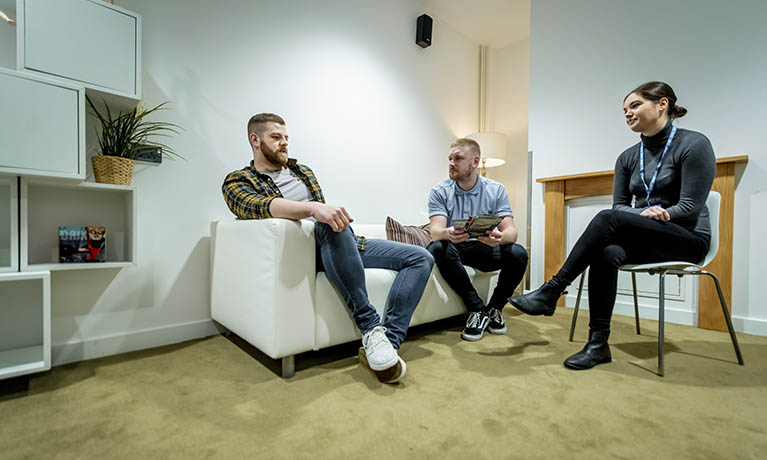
(668, 174)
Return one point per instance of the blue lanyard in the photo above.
(649, 188)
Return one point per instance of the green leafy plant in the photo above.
(123, 134)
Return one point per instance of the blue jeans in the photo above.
(344, 264)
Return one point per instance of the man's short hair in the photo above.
(469, 144)
(257, 122)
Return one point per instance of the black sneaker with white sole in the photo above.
(496, 325)
(475, 326)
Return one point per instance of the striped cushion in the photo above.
(411, 234)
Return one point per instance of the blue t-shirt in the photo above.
(486, 198)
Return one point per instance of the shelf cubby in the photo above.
(9, 235)
(45, 206)
(25, 323)
(57, 39)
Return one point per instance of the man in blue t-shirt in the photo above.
(463, 195)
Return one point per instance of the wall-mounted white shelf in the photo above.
(31, 106)
(47, 205)
(25, 323)
(90, 42)
(9, 224)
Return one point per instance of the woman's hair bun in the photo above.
(678, 111)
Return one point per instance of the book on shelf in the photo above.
(82, 244)
(477, 225)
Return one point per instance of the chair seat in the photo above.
(673, 265)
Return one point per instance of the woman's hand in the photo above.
(657, 213)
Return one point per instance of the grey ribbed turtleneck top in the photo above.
(683, 182)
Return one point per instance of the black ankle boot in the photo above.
(595, 352)
(542, 301)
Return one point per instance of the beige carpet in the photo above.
(503, 397)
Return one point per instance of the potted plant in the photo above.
(121, 137)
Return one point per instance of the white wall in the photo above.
(369, 110)
(508, 89)
(586, 55)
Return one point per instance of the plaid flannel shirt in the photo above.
(248, 193)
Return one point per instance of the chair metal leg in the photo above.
(288, 367)
(726, 313)
(661, 302)
(636, 301)
(577, 305)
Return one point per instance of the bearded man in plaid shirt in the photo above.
(274, 185)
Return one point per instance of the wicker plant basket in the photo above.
(112, 170)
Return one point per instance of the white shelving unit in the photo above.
(38, 104)
(25, 323)
(47, 205)
(91, 42)
(64, 50)
(9, 224)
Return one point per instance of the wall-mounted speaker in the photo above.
(423, 31)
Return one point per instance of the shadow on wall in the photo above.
(192, 282)
(197, 112)
(76, 292)
(186, 308)
(198, 142)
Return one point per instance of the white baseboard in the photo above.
(673, 315)
(69, 352)
(755, 326)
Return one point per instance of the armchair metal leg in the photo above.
(661, 302)
(577, 305)
(288, 367)
(636, 302)
(726, 313)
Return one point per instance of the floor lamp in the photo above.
(492, 145)
(493, 148)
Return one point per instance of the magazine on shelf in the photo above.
(477, 225)
(82, 244)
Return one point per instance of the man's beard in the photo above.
(457, 174)
(274, 157)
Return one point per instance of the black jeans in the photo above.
(451, 258)
(614, 238)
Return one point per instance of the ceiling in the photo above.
(495, 23)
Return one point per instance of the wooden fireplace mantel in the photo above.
(559, 189)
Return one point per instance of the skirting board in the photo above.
(755, 326)
(75, 351)
(673, 314)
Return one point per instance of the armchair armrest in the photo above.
(263, 282)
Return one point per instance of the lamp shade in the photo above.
(493, 147)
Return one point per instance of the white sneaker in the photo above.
(379, 351)
(391, 375)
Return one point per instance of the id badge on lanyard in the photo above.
(648, 188)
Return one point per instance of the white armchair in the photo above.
(264, 288)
